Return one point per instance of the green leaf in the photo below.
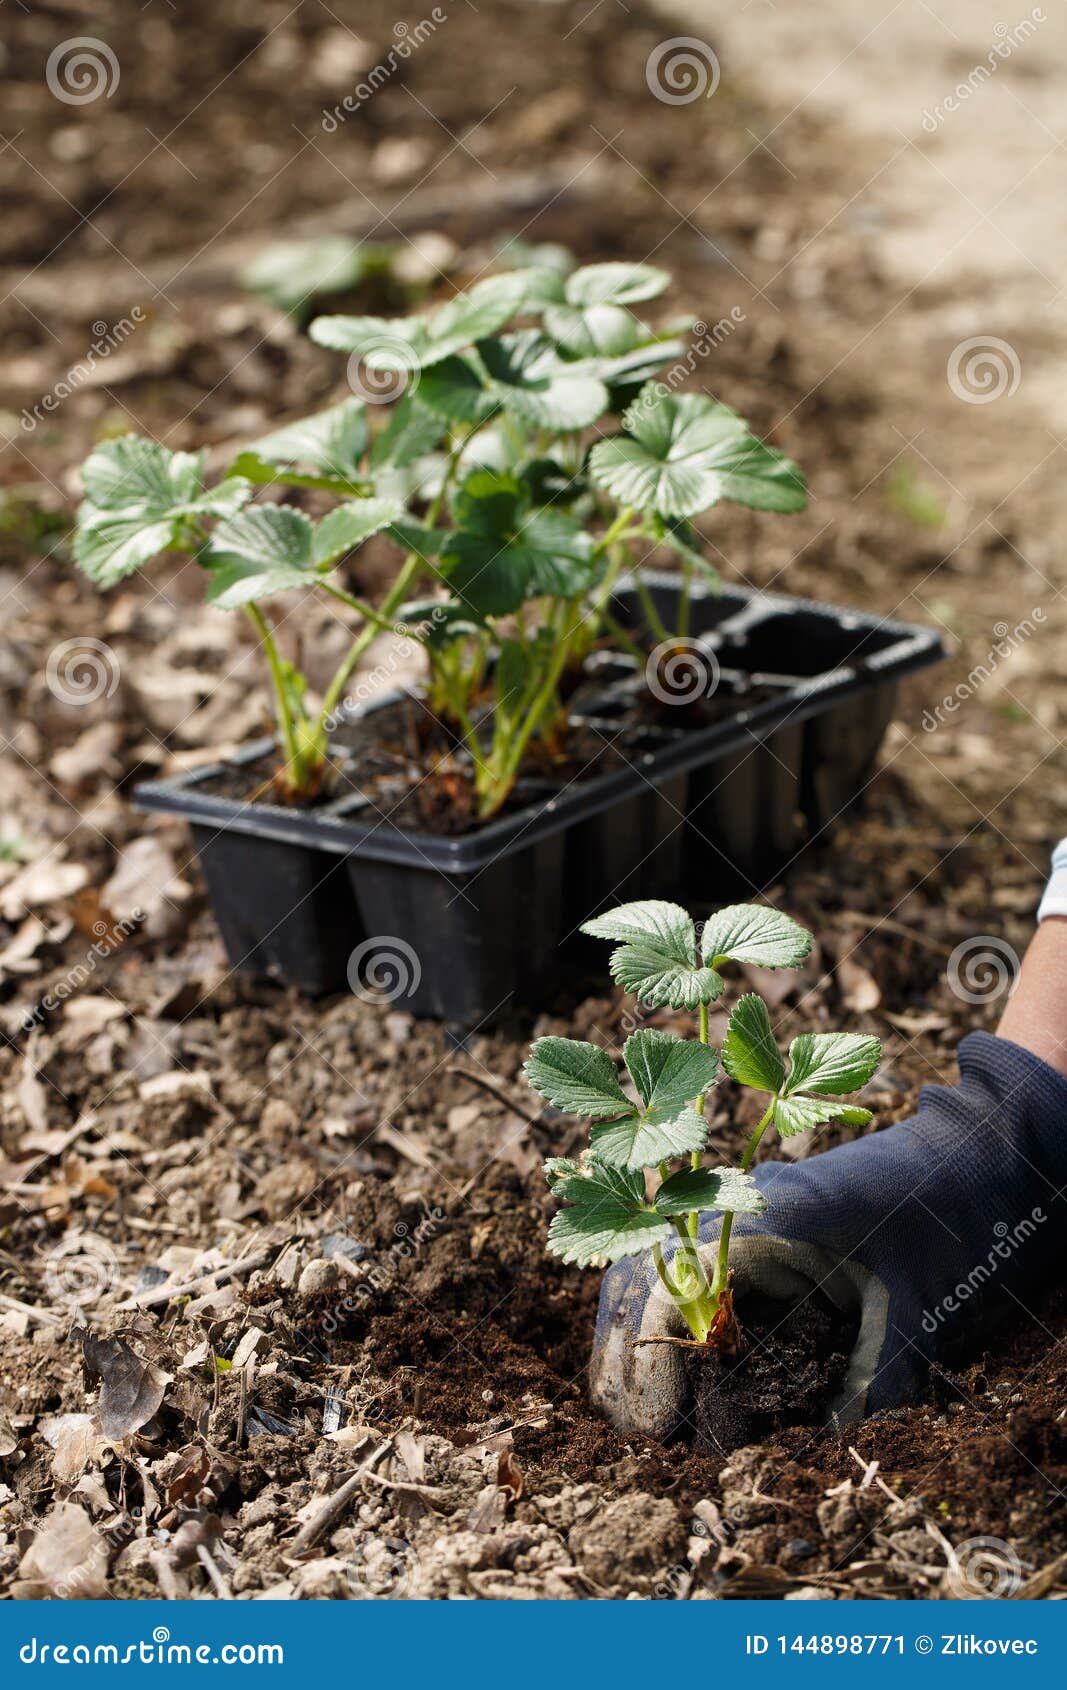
(270, 549)
(666, 925)
(417, 343)
(694, 1189)
(454, 389)
(331, 444)
(668, 1071)
(661, 983)
(140, 499)
(261, 551)
(796, 1114)
(754, 933)
(614, 284)
(658, 957)
(607, 1217)
(750, 1054)
(600, 331)
(685, 543)
(350, 524)
(501, 554)
(642, 1141)
(577, 1077)
(528, 378)
(134, 473)
(291, 273)
(832, 1062)
(681, 455)
(557, 1169)
(410, 433)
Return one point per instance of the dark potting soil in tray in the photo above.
(401, 761)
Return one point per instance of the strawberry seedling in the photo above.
(511, 523)
(642, 1179)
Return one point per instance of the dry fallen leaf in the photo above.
(146, 887)
(78, 1443)
(860, 991)
(131, 1389)
(67, 1559)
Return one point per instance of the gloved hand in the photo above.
(920, 1230)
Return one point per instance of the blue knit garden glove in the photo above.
(921, 1231)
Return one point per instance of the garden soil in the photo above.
(337, 1361)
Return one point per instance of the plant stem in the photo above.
(368, 612)
(623, 637)
(722, 1260)
(277, 675)
(683, 599)
(409, 573)
(394, 599)
(693, 1220)
(656, 624)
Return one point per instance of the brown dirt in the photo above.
(157, 1115)
(786, 1375)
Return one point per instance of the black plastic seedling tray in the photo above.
(463, 927)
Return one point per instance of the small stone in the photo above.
(319, 1276)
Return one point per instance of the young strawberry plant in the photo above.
(642, 1177)
(512, 492)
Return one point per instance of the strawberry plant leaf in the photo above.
(389, 344)
(658, 957)
(680, 455)
(330, 446)
(454, 389)
(557, 1169)
(668, 926)
(668, 1071)
(501, 554)
(140, 500)
(796, 1114)
(411, 432)
(606, 1218)
(750, 1053)
(832, 1062)
(528, 378)
(694, 1189)
(614, 284)
(577, 1077)
(261, 551)
(270, 549)
(640, 1141)
(754, 933)
(347, 526)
